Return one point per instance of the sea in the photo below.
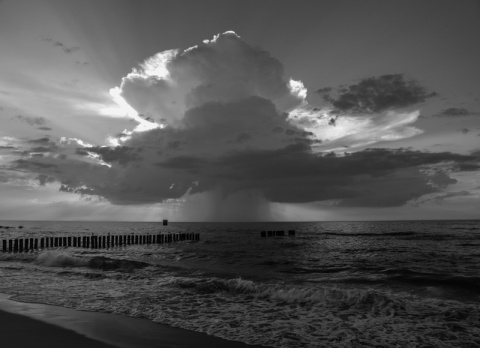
(333, 284)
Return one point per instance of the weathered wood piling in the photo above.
(93, 241)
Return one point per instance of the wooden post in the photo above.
(4, 245)
(165, 222)
(20, 245)
(26, 244)
(291, 232)
(15, 245)
(263, 234)
(42, 243)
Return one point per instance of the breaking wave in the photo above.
(64, 259)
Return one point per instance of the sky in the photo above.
(229, 110)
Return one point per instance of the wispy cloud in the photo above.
(455, 112)
(62, 46)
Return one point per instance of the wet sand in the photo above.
(38, 325)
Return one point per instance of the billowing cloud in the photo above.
(223, 124)
(222, 70)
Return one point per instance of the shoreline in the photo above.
(29, 324)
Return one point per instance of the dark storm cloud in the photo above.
(62, 46)
(376, 94)
(45, 179)
(369, 178)
(373, 177)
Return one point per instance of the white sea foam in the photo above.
(56, 258)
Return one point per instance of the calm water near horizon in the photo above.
(335, 284)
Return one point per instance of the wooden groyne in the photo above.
(280, 233)
(94, 241)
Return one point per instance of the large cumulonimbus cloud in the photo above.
(221, 122)
(223, 70)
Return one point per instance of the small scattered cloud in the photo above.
(31, 120)
(455, 112)
(376, 94)
(43, 140)
(62, 46)
(45, 128)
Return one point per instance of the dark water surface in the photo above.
(336, 284)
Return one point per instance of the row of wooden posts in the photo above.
(93, 241)
(276, 233)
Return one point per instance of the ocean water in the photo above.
(335, 284)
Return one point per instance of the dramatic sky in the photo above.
(239, 110)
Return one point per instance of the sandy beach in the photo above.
(38, 325)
